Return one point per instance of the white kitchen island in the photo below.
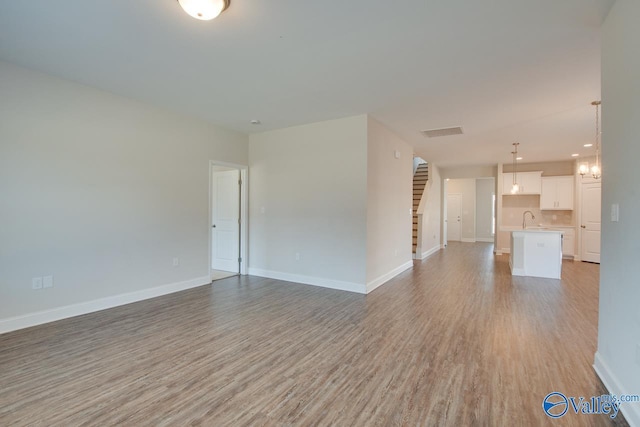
(536, 253)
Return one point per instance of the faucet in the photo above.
(524, 218)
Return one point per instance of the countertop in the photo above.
(537, 227)
(538, 230)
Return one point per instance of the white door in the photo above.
(225, 220)
(454, 210)
(590, 227)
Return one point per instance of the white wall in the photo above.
(430, 207)
(311, 181)
(485, 190)
(99, 191)
(617, 359)
(417, 161)
(466, 188)
(389, 201)
(466, 172)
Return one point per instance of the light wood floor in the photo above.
(220, 274)
(454, 342)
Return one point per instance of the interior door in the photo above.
(591, 218)
(225, 220)
(454, 212)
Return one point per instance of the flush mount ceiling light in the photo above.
(204, 10)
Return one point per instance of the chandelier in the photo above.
(595, 170)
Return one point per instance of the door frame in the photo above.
(244, 220)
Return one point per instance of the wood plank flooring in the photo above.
(456, 341)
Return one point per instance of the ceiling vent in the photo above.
(436, 133)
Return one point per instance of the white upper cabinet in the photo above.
(529, 182)
(557, 193)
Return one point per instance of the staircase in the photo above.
(420, 179)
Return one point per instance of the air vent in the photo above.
(436, 133)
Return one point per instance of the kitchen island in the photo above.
(536, 253)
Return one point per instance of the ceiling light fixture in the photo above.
(204, 10)
(588, 145)
(515, 188)
(575, 155)
(595, 170)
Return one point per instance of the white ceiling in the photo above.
(504, 70)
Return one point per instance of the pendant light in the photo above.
(596, 171)
(204, 10)
(515, 188)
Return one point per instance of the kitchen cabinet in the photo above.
(557, 193)
(569, 243)
(536, 253)
(529, 182)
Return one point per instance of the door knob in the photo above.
(583, 226)
(214, 226)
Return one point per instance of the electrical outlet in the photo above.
(176, 262)
(36, 283)
(297, 256)
(47, 282)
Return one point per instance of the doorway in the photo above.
(591, 222)
(454, 212)
(227, 213)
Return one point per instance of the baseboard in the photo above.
(485, 239)
(467, 240)
(375, 283)
(430, 252)
(505, 250)
(59, 313)
(631, 411)
(309, 280)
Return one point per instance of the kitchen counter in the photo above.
(537, 227)
(536, 252)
